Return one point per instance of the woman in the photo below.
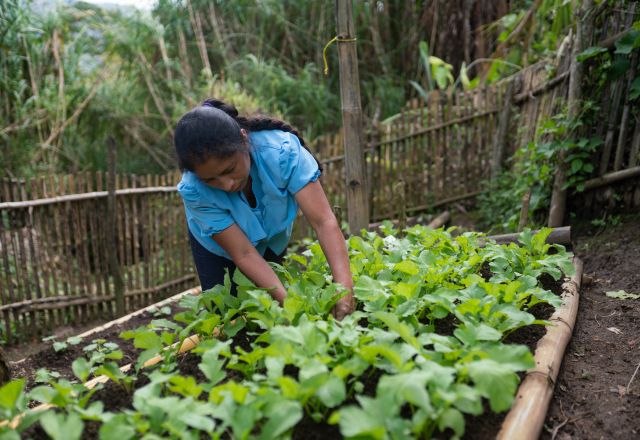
(243, 180)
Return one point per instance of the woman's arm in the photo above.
(315, 207)
(234, 241)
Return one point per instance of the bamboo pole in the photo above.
(356, 184)
(624, 124)
(558, 235)
(559, 194)
(85, 196)
(500, 140)
(114, 267)
(524, 211)
(440, 220)
(612, 178)
(528, 413)
(635, 146)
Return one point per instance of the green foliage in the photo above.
(300, 360)
(297, 95)
(532, 170)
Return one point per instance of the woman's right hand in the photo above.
(345, 306)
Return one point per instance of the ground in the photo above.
(597, 395)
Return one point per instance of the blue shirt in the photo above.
(280, 167)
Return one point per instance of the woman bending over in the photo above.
(242, 183)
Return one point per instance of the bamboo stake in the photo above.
(559, 194)
(114, 267)
(356, 184)
(528, 413)
(558, 235)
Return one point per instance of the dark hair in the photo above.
(213, 130)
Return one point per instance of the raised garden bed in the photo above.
(429, 351)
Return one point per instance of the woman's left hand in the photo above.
(345, 306)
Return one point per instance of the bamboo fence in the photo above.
(55, 250)
(57, 258)
(440, 150)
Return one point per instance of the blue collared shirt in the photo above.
(280, 167)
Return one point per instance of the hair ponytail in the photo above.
(213, 130)
(258, 123)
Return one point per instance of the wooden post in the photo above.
(524, 211)
(500, 142)
(5, 373)
(356, 184)
(559, 194)
(112, 231)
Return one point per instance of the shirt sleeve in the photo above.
(297, 165)
(204, 218)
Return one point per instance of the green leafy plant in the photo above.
(266, 366)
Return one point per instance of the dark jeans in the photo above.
(211, 267)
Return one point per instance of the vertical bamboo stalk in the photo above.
(136, 241)
(42, 249)
(157, 244)
(162, 232)
(146, 248)
(95, 252)
(635, 146)
(20, 258)
(112, 231)
(125, 235)
(36, 263)
(356, 185)
(559, 194)
(53, 244)
(22, 252)
(7, 293)
(500, 140)
(183, 54)
(624, 124)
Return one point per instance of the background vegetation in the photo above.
(73, 75)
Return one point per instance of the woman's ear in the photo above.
(245, 135)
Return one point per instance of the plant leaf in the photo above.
(621, 294)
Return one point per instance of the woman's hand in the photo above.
(249, 261)
(315, 207)
(345, 306)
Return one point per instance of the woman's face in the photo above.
(230, 174)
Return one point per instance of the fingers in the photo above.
(345, 306)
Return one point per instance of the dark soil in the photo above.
(61, 361)
(595, 396)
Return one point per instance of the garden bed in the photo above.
(289, 356)
(57, 356)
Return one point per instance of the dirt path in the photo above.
(593, 398)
